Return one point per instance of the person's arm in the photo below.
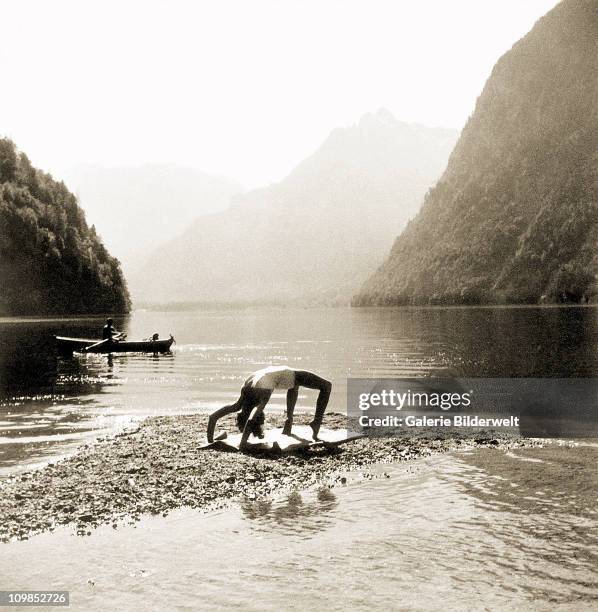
(292, 395)
(215, 416)
(255, 413)
(212, 420)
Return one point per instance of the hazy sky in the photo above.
(244, 88)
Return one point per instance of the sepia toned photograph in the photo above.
(299, 305)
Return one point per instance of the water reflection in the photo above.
(503, 342)
(29, 365)
(293, 515)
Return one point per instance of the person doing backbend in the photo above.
(256, 393)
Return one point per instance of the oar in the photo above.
(102, 342)
(92, 346)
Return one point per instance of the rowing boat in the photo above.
(68, 346)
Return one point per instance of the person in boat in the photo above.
(109, 332)
(256, 393)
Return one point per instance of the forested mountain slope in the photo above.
(51, 262)
(514, 217)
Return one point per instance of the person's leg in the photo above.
(291, 401)
(254, 419)
(313, 381)
(253, 398)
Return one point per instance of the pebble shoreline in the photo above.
(159, 467)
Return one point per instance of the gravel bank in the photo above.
(158, 468)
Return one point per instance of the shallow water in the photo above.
(49, 405)
(487, 529)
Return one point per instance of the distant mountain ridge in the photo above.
(136, 208)
(51, 261)
(315, 235)
(514, 217)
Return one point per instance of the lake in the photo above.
(483, 530)
(486, 529)
(49, 405)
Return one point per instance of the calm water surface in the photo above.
(49, 405)
(486, 530)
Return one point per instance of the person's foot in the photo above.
(221, 436)
(315, 429)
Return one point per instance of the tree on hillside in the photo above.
(51, 262)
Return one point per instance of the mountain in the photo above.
(514, 217)
(51, 261)
(135, 208)
(315, 235)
